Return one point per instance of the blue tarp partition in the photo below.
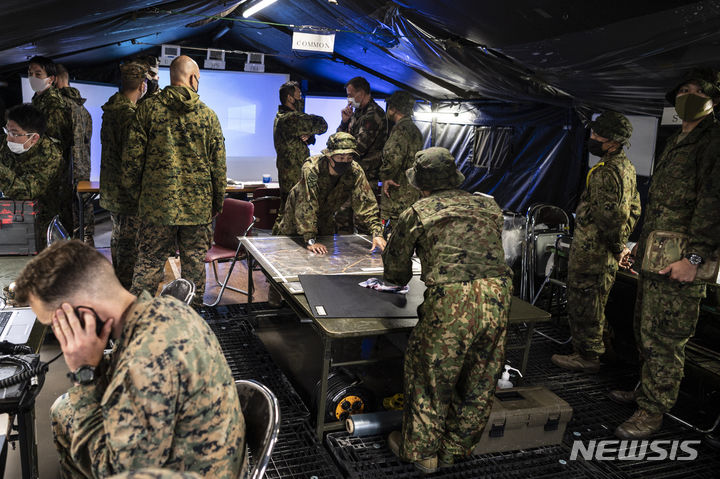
(526, 154)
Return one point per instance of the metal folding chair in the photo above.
(262, 423)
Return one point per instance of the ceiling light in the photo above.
(256, 7)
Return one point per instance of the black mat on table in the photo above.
(339, 296)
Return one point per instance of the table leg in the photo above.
(81, 217)
(322, 394)
(526, 349)
(251, 285)
(28, 447)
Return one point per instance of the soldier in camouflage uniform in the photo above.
(328, 181)
(32, 174)
(58, 115)
(118, 112)
(152, 65)
(398, 154)
(82, 133)
(175, 163)
(366, 121)
(292, 132)
(684, 198)
(606, 215)
(456, 350)
(165, 396)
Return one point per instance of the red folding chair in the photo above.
(235, 221)
(267, 205)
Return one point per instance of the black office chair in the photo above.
(262, 423)
(181, 289)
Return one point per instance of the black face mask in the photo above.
(340, 168)
(152, 87)
(595, 147)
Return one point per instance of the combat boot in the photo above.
(426, 466)
(624, 397)
(575, 362)
(641, 425)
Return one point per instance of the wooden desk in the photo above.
(91, 190)
(282, 258)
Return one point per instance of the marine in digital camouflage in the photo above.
(369, 127)
(291, 150)
(313, 201)
(684, 197)
(398, 155)
(118, 112)
(175, 159)
(155, 243)
(457, 347)
(153, 473)
(605, 217)
(58, 116)
(34, 175)
(166, 398)
(82, 134)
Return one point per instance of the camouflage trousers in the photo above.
(453, 357)
(123, 246)
(401, 198)
(61, 421)
(156, 243)
(587, 295)
(153, 473)
(666, 314)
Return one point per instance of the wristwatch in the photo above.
(694, 259)
(83, 375)
(311, 241)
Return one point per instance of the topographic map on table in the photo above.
(284, 257)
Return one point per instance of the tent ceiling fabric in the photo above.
(623, 56)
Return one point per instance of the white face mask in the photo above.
(39, 84)
(354, 103)
(18, 148)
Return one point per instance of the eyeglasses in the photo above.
(13, 135)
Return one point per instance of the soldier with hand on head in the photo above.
(456, 350)
(164, 398)
(398, 155)
(118, 112)
(683, 200)
(174, 166)
(30, 165)
(291, 132)
(152, 65)
(82, 134)
(328, 181)
(606, 215)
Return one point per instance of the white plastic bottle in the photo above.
(504, 381)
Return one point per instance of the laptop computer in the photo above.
(16, 324)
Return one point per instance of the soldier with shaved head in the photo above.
(174, 163)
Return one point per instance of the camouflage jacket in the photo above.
(369, 127)
(606, 215)
(398, 155)
(118, 112)
(291, 151)
(174, 160)
(33, 175)
(82, 133)
(684, 194)
(313, 201)
(456, 235)
(166, 398)
(58, 115)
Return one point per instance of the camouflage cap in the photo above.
(132, 71)
(341, 143)
(434, 169)
(402, 102)
(613, 126)
(707, 78)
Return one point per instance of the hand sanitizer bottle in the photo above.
(504, 381)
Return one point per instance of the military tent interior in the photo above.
(508, 87)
